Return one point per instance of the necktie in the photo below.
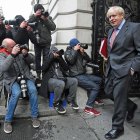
(113, 37)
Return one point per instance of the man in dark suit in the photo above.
(123, 49)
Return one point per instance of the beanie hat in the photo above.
(20, 18)
(73, 42)
(37, 7)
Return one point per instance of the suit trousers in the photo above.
(117, 90)
(58, 86)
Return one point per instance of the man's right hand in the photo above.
(8, 28)
(23, 24)
(15, 50)
(29, 29)
(55, 54)
(38, 12)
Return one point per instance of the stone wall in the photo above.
(1, 11)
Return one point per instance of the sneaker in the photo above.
(59, 108)
(98, 102)
(7, 127)
(91, 111)
(73, 104)
(36, 122)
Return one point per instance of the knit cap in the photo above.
(73, 42)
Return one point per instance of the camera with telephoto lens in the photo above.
(11, 22)
(23, 86)
(60, 52)
(45, 14)
(84, 46)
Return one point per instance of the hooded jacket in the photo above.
(21, 35)
(48, 69)
(75, 61)
(44, 27)
(11, 67)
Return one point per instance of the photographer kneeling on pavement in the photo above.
(13, 64)
(75, 56)
(56, 80)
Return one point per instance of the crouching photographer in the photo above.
(56, 80)
(75, 56)
(13, 65)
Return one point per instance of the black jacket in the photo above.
(48, 70)
(2, 33)
(75, 61)
(21, 36)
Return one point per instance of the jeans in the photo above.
(15, 96)
(38, 51)
(92, 83)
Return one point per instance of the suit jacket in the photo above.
(125, 52)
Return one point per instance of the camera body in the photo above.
(24, 46)
(84, 46)
(23, 86)
(36, 33)
(60, 52)
(46, 14)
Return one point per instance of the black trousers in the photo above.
(117, 90)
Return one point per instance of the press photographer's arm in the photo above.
(9, 52)
(84, 54)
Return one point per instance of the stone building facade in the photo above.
(73, 19)
(1, 11)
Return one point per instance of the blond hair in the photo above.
(119, 10)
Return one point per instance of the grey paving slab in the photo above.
(66, 127)
(102, 124)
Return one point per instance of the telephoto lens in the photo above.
(11, 22)
(23, 86)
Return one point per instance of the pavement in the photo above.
(74, 125)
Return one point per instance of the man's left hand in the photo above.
(8, 28)
(24, 51)
(43, 17)
(29, 29)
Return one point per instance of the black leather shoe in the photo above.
(130, 114)
(113, 134)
